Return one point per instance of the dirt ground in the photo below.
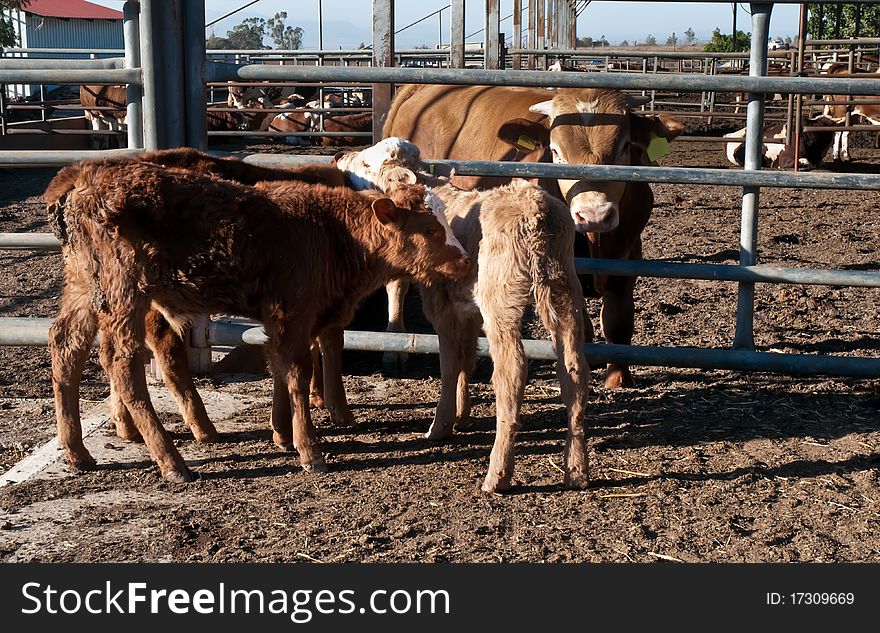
(693, 465)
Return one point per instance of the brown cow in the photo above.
(298, 258)
(91, 97)
(523, 240)
(360, 122)
(870, 111)
(589, 126)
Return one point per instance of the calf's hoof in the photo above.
(463, 424)
(577, 480)
(618, 378)
(317, 466)
(495, 483)
(179, 476)
(395, 363)
(205, 436)
(81, 462)
(316, 400)
(438, 432)
(127, 432)
(341, 418)
(284, 445)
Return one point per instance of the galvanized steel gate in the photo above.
(165, 70)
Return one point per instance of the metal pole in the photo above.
(733, 40)
(383, 55)
(541, 24)
(748, 248)
(456, 34)
(194, 74)
(134, 94)
(149, 64)
(799, 99)
(320, 31)
(517, 31)
(530, 64)
(491, 52)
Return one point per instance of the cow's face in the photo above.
(384, 166)
(591, 127)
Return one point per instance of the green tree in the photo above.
(285, 37)
(625, 43)
(650, 40)
(723, 43)
(215, 42)
(7, 32)
(248, 35)
(839, 20)
(689, 36)
(672, 40)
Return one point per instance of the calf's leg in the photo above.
(316, 386)
(290, 355)
(170, 352)
(70, 339)
(395, 362)
(334, 389)
(618, 322)
(123, 348)
(561, 311)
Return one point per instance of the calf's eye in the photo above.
(431, 232)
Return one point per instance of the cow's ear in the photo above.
(543, 107)
(643, 129)
(338, 156)
(636, 101)
(386, 211)
(524, 134)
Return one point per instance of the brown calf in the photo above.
(360, 122)
(167, 345)
(92, 97)
(296, 257)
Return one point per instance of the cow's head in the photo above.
(591, 127)
(384, 166)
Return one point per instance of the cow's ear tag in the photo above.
(657, 148)
(526, 142)
(431, 168)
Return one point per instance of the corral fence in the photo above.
(166, 73)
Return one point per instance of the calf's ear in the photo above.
(386, 211)
(524, 134)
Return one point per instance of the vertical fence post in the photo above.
(456, 34)
(383, 55)
(541, 25)
(134, 95)
(148, 73)
(161, 55)
(196, 124)
(530, 40)
(491, 52)
(517, 31)
(748, 240)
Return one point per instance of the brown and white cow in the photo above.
(869, 111)
(589, 126)
(812, 146)
(143, 235)
(94, 96)
(257, 95)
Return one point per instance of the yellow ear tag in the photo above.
(431, 168)
(657, 148)
(526, 142)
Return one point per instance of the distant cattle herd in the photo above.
(149, 242)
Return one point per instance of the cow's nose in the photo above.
(595, 217)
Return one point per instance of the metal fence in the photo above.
(167, 109)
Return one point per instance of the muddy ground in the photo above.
(693, 465)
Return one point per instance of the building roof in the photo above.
(71, 9)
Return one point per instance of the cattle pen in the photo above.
(751, 434)
(166, 109)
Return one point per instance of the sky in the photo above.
(347, 23)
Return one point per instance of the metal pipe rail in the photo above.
(35, 332)
(33, 158)
(69, 76)
(677, 175)
(465, 76)
(624, 268)
(61, 64)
